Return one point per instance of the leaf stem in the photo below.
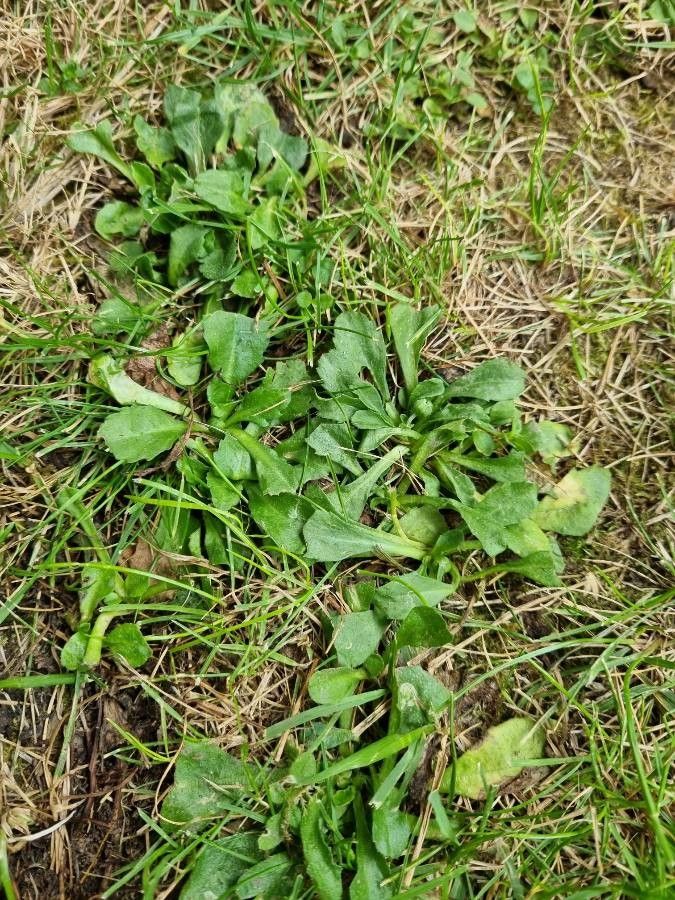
(92, 655)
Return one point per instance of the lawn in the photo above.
(336, 523)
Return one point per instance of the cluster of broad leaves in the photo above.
(218, 188)
(440, 470)
(439, 467)
(337, 831)
(354, 458)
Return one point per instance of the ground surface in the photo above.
(552, 245)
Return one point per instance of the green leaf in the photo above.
(333, 685)
(191, 125)
(528, 17)
(497, 759)
(186, 246)
(423, 627)
(322, 712)
(409, 329)
(335, 410)
(418, 697)
(267, 878)
(142, 177)
(288, 151)
(525, 537)
(253, 114)
(127, 641)
(219, 866)
(97, 586)
(391, 831)
(502, 469)
(259, 405)
(269, 139)
(156, 144)
(262, 226)
(282, 517)
(496, 379)
(357, 344)
(118, 217)
(367, 756)
(312, 467)
(99, 142)
(398, 597)
(330, 538)
(220, 397)
(458, 483)
(465, 20)
(371, 868)
(292, 379)
(116, 314)
(215, 546)
(226, 191)
(540, 567)
(9, 453)
(219, 263)
(575, 503)
(184, 363)
(207, 781)
(335, 442)
(662, 11)
(357, 636)
(247, 284)
(140, 432)
(502, 505)
(236, 344)
(223, 495)
(423, 524)
(424, 397)
(232, 460)
(351, 500)
(276, 476)
(325, 157)
(551, 440)
(524, 75)
(72, 652)
(273, 834)
(107, 373)
(210, 125)
(193, 470)
(321, 867)
(485, 445)
(129, 257)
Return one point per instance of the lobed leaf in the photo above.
(236, 344)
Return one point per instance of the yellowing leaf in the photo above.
(497, 759)
(108, 374)
(574, 504)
